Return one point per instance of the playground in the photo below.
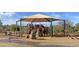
(35, 34)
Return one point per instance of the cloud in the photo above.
(76, 17)
(55, 15)
(8, 14)
(8, 17)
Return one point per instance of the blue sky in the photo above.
(12, 17)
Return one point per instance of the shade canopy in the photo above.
(38, 18)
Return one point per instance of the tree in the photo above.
(12, 27)
(77, 27)
(68, 27)
(1, 26)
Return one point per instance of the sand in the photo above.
(54, 41)
(40, 42)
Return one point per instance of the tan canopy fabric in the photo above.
(38, 18)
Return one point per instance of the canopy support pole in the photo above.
(51, 29)
(16, 27)
(20, 28)
(64, 27)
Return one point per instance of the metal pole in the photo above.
(16, 27)
(20, 29)
(64, 28)
(51, 31)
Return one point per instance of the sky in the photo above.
(12, 17)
